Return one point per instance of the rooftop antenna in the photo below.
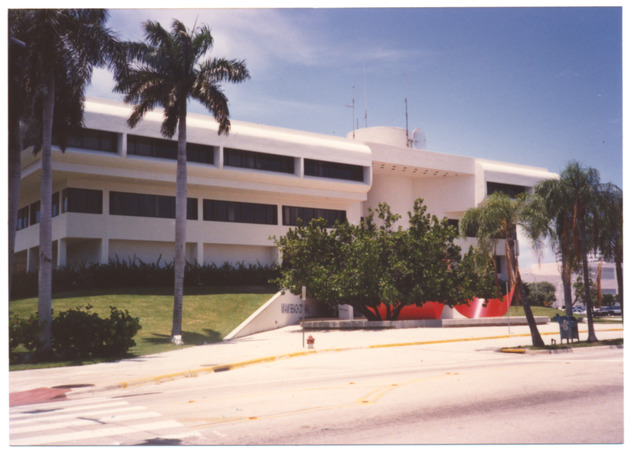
(406, 114)
(365, 94)
(352, 106)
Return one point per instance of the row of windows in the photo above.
(142, 205)
(167, 149)
(100, 140)
(72, 200)
(158, 206)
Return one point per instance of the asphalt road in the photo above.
(443, 392)
(430, 394)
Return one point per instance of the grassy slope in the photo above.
(209, 313)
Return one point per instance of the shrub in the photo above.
(80, 334)
(136, 273)
(23, 332)
(76, 334)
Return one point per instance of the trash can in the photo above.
(568, 327)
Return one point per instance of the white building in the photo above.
(114, 187)
(550, 272)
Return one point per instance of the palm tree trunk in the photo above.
(587, 280)
(515, 275)
(565, 274)
(619, 269)
(44, 305)
(15, 153)
(181, 195)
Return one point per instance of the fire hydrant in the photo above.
(310, 341)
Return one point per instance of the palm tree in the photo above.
(62, 46)
(166, 70)
(611, 231)
(497, 218)
(582, 187)
(17, 106)
(552, 207)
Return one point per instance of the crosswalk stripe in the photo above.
(65, 415)
(83, 421)
(51, 410)
(91, 434)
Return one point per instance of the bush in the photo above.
(78, 334)
(23, 332)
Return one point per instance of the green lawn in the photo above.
(209, 313)
(517, 311)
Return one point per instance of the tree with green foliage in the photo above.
(167, 70)
(374, 263)
(582, 191)
(552, 208)
(540, 293)
(497, 219)
(62, 46)
(611, 230)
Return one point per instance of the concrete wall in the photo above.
(281, 310)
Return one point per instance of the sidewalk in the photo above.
(283, 343)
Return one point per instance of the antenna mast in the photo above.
(406, 114)
(365, 94)
(352, 106)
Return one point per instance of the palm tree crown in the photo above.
(166, 71)
(497, 218)
(62, 46)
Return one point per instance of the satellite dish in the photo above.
(418, 139)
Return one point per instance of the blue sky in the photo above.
(537, 86)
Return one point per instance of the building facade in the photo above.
(114, 187)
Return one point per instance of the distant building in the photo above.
(550, 272)
(114, 187)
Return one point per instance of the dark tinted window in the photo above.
(144, 205)
(333, 170)
(258, 160)
(82, 200)
(22, 218)
(290, 215)
(239, 212)
(96, 140)
(510, 190)
(167, 149)
(35, 211)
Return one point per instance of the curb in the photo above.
(227, 367)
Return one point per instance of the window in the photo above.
(510, 190)
(259, 161)
(608, 273)
(239, 212)
(81, 200)
(143, 205)
(22, 218)
(200, 153)
(454, 223)
(55, 204)
(333, 170)
(290, 215)
(35, 212)
(167, 149)
(96, 140)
